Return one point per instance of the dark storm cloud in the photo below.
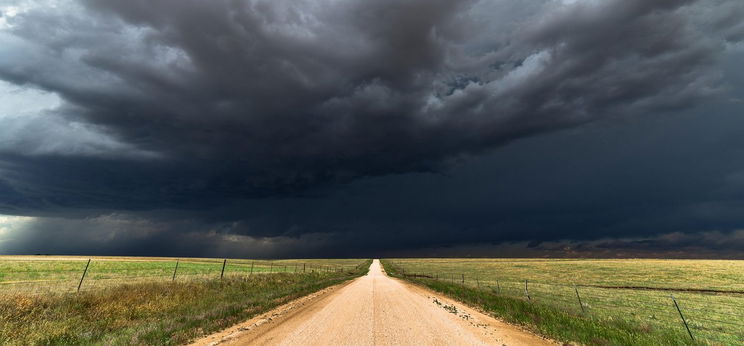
(281, 96)
(199, 108)
(119, 234)
(711, 244)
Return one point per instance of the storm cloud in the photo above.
(228, 106)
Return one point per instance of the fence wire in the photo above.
(42, 276)
(715, 317)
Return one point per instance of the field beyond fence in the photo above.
(41, 274)
(701, 300)
(148, 301)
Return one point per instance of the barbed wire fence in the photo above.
(88, 274)
(714, 317)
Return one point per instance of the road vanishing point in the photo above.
(373, 310)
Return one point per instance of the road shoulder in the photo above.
(266, 321)
(479, 321)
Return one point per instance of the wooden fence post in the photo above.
(303, 267)
(224, 263)
(463, 278)
(526, 291)
(174, 271)
(579, 298)
(83, 277)
(682, 317)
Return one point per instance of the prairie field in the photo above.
(127, 300)
(709, 293)
(64, 273)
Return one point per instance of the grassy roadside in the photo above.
(153, 313)
(555, 323)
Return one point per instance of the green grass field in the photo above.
(63, 273)
(134, 300)
(125, 301)
(636, 292)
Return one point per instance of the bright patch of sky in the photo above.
(7, 12)
(30, 125)
(9, 224)
(532, 66)
(12, 8)
(19, 101)
(571, 2)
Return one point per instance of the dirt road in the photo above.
(373, 310)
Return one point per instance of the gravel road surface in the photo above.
(373, 310)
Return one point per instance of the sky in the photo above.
(359, 128)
